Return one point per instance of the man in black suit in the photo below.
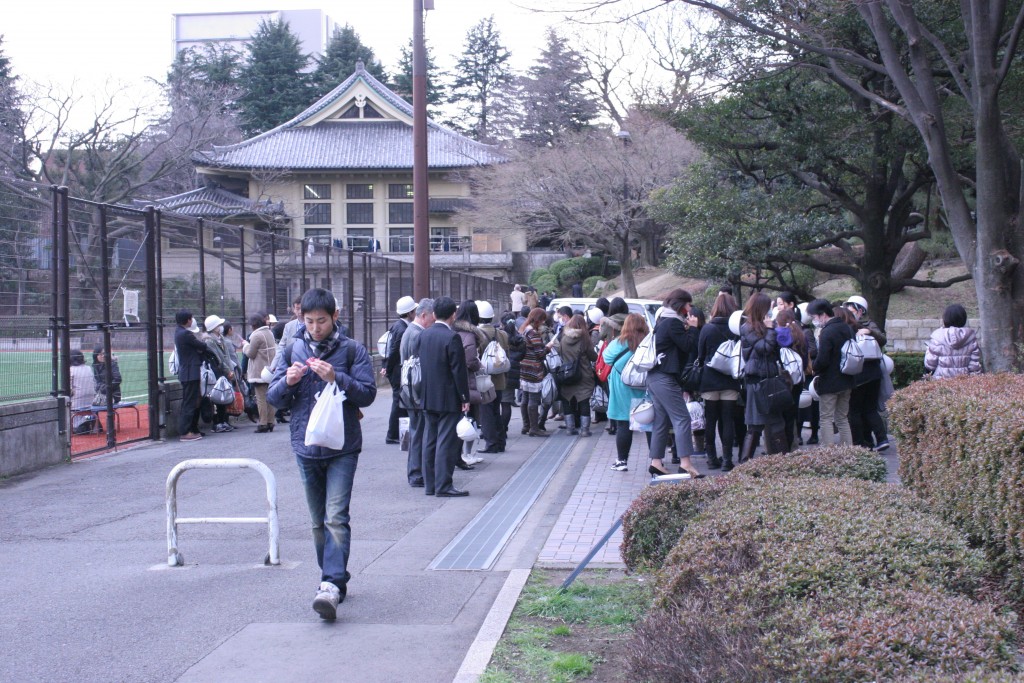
(445, 396)
(191, 353)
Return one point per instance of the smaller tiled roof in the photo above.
(447, 205)
(213, 201)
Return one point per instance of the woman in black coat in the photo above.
(761, 358)
(718, 389)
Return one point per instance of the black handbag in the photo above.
(691, 376)
(773, 394)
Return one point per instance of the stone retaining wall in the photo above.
(913, 335)
(30, 436)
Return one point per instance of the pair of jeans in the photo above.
(835, 408)
(328, 486)
(624, 439)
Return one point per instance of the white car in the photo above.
(645, 307)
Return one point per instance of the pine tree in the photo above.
(403, 79)
(275, 87)
(13, 149)
(339, 61)
(480, 72)
(554, 97)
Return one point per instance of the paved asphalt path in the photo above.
(86, 595)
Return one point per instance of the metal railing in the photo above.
(174, 556)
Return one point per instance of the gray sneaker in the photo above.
(326, 601)
(620, 466)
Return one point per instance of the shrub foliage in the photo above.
(826, 580)
(831, 462)
(907, 367)
(961, 445)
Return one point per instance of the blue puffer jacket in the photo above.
(357, 382)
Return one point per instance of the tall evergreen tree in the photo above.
(13, 151)
(275, 87)
(554, 96)
(480, 72)
(435, 84)
(339, 61)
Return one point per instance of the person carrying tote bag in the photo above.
(672, 345)
(761, 362)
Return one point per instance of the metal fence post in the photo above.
(64, 267)
(273, 272)
(201, 235)
(105, 309)
(241, 276)
(350, 293)
(153, 352)
(54, 291)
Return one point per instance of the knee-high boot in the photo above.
(750, 443)
(585, 426)
(534, 411)
(570, 424)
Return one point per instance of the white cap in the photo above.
(858, 300)
(595, 315)
(735, 320)
(643, 413)
(271, 319)
(485, 309)
(805, 318)
(212, 322)
(405, 304)
(195, 326)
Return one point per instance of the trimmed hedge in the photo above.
(816, 579)
(657, 518)
(830, 462)
(908, 367)
(961, 446)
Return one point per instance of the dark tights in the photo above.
(719, 414)
(578, 408)
(624, 439)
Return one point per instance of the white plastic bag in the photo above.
(696, 410)
(326, 426)
(494, 359)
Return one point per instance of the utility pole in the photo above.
(420, 188)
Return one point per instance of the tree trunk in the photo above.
(626, 262)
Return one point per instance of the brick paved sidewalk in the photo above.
(599, 498)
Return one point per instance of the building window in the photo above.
(359, 213)
(446, 239)
(400, 191)
(400, 239)
(359, 239)
(400, 212)
(359, 191)
(226, 237)
(316, 191)
(321, 236)
(316, 214)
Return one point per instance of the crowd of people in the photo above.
(692, 384)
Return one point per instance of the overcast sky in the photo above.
(89, 41)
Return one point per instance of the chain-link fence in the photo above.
(105, 281)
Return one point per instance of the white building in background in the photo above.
(312, 26)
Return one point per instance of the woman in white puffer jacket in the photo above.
(953, 348)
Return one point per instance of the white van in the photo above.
(645, 307)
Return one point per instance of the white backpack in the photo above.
(646, 355)
(494, 359)
(633, 376)
(728, 358)
(793, 364)
(172, 361)
(382, 344)
(869, 347)
(851, 358)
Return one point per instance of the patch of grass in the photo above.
(565, 636)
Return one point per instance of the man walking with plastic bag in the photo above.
(324, 360)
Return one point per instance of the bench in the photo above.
(95, 411)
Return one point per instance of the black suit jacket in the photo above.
(443, 364)
(191, 353)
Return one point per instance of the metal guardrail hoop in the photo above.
(174, 558)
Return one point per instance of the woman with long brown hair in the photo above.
(531, 368)
(574, 346)
(761, 359)
(620, 397)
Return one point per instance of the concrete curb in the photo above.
(480, 651)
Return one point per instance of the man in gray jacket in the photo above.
(410, 347)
